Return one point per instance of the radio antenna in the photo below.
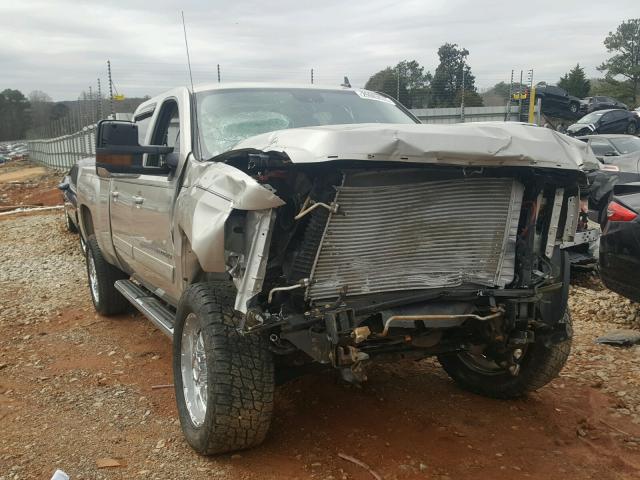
(186, 44)
(194, 102)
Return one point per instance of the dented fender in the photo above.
(211, 192)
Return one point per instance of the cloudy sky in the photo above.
(61, 47)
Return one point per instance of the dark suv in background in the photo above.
(591, 104)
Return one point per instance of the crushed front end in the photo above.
(367, 263)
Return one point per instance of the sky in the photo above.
(61, 47)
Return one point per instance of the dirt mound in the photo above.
(23, 184)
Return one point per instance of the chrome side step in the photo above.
(148, 305)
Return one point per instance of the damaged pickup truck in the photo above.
(264, 228)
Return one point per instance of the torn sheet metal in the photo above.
(490, 144)
(215, 189)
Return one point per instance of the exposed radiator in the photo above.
(389, 235)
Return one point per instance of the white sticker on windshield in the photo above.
(369, 95)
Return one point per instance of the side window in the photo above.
(143, 120)
(619, 115)
(601, 147)
(166, 132)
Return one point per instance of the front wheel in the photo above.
(574, 107)
(224, 381)
(632, 128)
(479, 374)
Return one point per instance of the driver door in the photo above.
(152, 196)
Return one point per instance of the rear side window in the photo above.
(601, 147)
(143, 121)
(617, 115)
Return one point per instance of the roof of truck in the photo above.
(248, 85)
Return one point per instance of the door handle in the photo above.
(138, 200)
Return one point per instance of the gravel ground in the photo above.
(77, 388)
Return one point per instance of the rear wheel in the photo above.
(102, 277)
(632, 128)
(574, 107)
(71, 227)
(224, 381)
(539, 365)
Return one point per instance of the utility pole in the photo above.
(507, 113)
(520, 96)
(312, 76)
(218, 73)
(398, 83)
(92, 113)
(462, 97)
(110, 86)
(99, 101)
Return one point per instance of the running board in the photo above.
(149, 306)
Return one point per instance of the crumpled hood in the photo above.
(580, 127)
(477, 144)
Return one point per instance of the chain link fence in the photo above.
(63, 152)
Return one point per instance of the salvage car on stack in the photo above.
(327, 226)
(591, 104)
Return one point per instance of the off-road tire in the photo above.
(239, 374)
(110, 301)
(71, 227)
(632, 128)
(539, 366)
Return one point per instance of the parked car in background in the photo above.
(606, 121)
(618, 150)
(556, 101)
(591, 104)
(620, 243)
(619, 156)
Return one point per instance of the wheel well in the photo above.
(87, 221)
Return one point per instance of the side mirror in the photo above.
(64, 185)
(172, 159)
(118, 150)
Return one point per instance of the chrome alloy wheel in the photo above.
(93, 278)
(193, 364)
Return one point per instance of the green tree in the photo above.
(610, 87)
(448, 78)
(408, 78)
(625, 44)
(575, 82)
(14, 115)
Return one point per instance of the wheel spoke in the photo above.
(193, 361)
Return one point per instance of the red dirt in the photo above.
(21, 184)
(409, 414)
